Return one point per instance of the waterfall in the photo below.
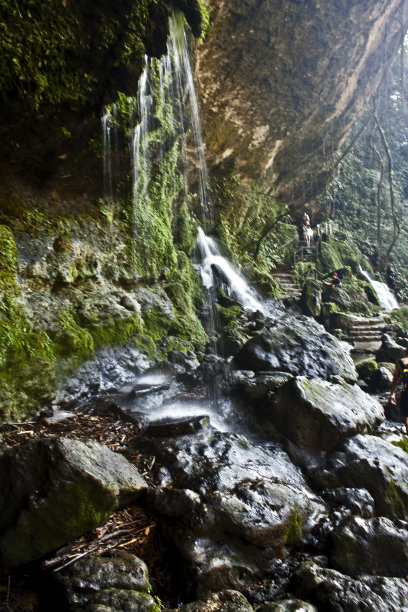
(385, 296)
(107, 154)
(215, 269)
(140, 152)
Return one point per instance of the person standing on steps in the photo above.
(306, 228)
(401, 369)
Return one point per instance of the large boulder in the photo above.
(370, 463)
(299, 346)
(115, 581)
(317, 415)
(311, 298)
(374, 546)
(240, 504)
(332, 591)
(390, 350)
(54, 490)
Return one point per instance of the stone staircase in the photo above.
(283, 276)
(365, 335)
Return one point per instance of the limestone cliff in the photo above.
(281, 82)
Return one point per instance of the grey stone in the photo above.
(52, 491)
(248, 504)
(330, 590)
(317, 415)
(115, 581)
(359, 501)
(389, 350)
(300, 346)
(370, 463)
(374, 546)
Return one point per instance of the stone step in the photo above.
(365, 332)
(377, 338)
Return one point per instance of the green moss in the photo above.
(8, 258)
(117, 333)
(295, 527)
(303, 272)
(186, 231)
(228, 314)
(400, 316)
(403, 443)
(329, 258)
(393, 495)
(366, 368)
(73, 341)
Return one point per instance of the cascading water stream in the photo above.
(215, 269)
(385, 296)
(166, 98)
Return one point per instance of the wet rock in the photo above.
(224, 601)
(330, 590)
(389, 350)
(299, 346)
(374, 546)
(253, 503)
(343, 321)
(366, 368)
(370, 463)
(337, 296)
(359, 501)
(52, 491)
(177, 426)
(317, 415)
(380, 380)
(311, 299)
(107, 373)
(257, 388)
(288, 605)
(114, 581)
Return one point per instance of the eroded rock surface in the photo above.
(239, 504)
(373, 464)
(282, 83)
(331, 590)
(299, 346)
(115, 581)
(317, 415)
(375, 546)
(52, 491)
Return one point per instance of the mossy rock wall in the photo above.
(58, 307)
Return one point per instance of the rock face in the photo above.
(280, 85)
(239, 504)
(317, 415)
(370, 463)
(330, 590)
(116, 581)
(52, 491)
(374, 546)
(299, 346)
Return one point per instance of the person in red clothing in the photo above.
(335, 282)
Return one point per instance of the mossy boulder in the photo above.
(117, 580)
(366, 368)
(311, 299)
(53, 491)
